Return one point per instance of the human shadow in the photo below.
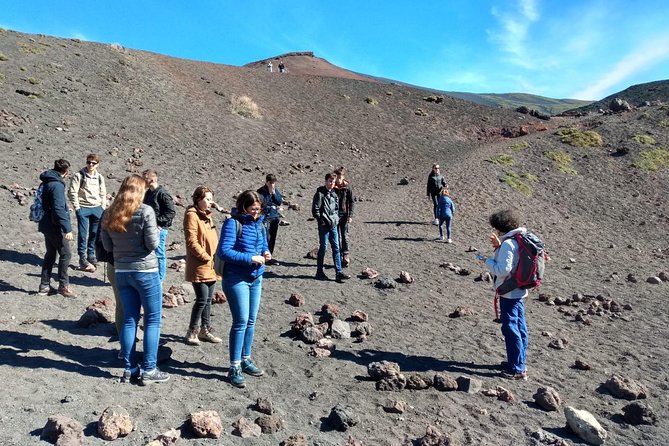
(565, 433)
(405, 239)
(4, 286)
(413, 363)
(20, 258)
(292, 264)
(102, 329)
(84, 281)
(273, 275)
(397, 222)
(18, 350)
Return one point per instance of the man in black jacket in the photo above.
(272, 200)
(325, 210)
(163, 205)
(57, 229)
(344, 193)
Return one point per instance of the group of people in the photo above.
(281, 67)
(130, 235)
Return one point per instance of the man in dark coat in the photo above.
(325, 210)
(163, 205)
(57, 229)
(272, 201)
(344, 192)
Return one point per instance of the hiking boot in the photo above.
(345, 261)
(250, 368)
(93, 261)
(191, 336)
(235, 376)
(86, 267)
(154, 376)
(66, 291)
(130, 376)
(342, 276)
(516, 376)
(206, 334)
(321, 276)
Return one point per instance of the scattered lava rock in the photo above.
(637, 413)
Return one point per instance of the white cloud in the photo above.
(652, 52)
(514, 29)
(78, 35)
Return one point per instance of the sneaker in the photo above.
(321, 276)
(440, 239)
(235, 376)
(342, 276)
(345, 261)
(435, 222)
(87, 267)
(449, 241)
(191, 336)
(154, 376)
(250, 368)
(45, 290)
(517, 376)
(66, 291)
(207, 335)
(130, 376)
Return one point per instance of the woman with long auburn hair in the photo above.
(130, 232)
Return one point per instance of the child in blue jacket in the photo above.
(445, 211)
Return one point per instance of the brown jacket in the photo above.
(201, 243)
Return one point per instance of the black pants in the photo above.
(201, 312)
(56, 245)
(435, 201)
(343, 234)
(272, 227)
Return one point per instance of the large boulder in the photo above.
(342, 417)
(206, 424)
(547, 398)
(626, 388)
(114, 422)
(585, 425)
(62, 430)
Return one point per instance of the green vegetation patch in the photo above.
(33, 80)
(664, 123)
(653, 160)
(515, 182)
(371, 101)
(644, 139)
(3, 57)
(562, 160)
(2, 77)
(577, 138)
(517, 147)
(245, 107)
(503, 160)
(27, 48)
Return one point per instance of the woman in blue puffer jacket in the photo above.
(243, 248)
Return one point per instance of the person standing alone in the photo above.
(435, 181)
(344, 193)
(163, 205)
(88, 195)
(57, 229)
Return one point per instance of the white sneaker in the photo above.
(449, 241)
(435, 222)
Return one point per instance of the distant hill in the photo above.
(635, 95)
(305, 63)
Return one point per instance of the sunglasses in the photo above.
(92, 163)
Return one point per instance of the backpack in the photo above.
(37, 208)
(219, 263)
(531, 264)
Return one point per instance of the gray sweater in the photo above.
(134, 249)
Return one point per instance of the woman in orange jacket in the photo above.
(201, 243)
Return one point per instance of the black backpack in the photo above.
(531, 264)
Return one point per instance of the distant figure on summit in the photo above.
(282, 67)
(269, 66)
(435, 181)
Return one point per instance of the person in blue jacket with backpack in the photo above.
(243, 248)
(511, 303)
(445, 211)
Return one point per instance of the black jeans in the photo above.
(435, 201)
(272, 227)
(56, 244)
(204, 292)
(343, 234)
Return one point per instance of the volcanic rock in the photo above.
(114, 422)
(206, 424)
(396, 406)
(469, 384)
(434, 437)
(415, 381)
(245, 429)
(62, 430)
(311, 335)
(444, 383)
(637, 413)
(405, 277)
(547, 398)
(295, 440)
(342, 417)
(269, 424)
(296, 300)
(585, 425)
(626, 388)
(340, 329)
(99, 312)
(383, 369)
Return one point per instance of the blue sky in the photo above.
(580, 49)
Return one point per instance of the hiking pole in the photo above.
(104, 274)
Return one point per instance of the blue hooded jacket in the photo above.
(445, 207)
(56, 217)
(237, 252)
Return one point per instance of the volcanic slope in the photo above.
(603, 219)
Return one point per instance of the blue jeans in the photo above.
(244, 301)
(137, 290)
(448, 221)
(160, 253)
(515, 334)
(88, 221)
(325, 234)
